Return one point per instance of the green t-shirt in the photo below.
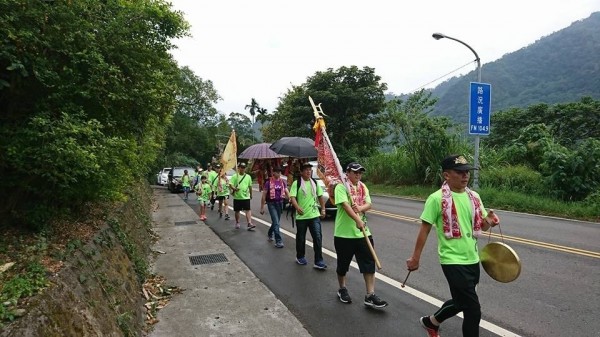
(307, 200)
(345, 226)
(224, 187)
(454, 251)
(211, 178)
(205, 191)
(243, 183)
(185, 180)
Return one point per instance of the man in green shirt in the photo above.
(306, 195)
(241, 188)
(348, 238)
(459, 218)
(212, 177)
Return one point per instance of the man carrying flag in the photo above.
(348, 237)
(352, 199)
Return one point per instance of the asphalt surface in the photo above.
(557, 292)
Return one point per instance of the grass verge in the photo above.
(504, 200)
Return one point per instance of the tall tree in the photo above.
(196, 98)
(353, 100)
(243, 129)
(425, 139)
(254, 107)
(86, 91)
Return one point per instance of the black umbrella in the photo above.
(298, 147)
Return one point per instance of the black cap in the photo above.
(305, 165)
(218, 165)
(456, 162)
(242, 164)
(355, 167)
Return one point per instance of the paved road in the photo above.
(557, 293)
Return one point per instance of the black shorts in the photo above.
(222, 197)
(241, 205)
(462, 280)
(347, 248)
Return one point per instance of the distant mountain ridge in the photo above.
(561, 67)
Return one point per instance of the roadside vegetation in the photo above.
(506, 200)
(92, 100)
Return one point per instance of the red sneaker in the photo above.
(431, 332)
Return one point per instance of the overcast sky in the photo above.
(259, 49)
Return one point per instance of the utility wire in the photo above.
(437, 79)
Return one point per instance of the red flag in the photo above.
(329, 168)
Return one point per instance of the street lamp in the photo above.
(438, 36)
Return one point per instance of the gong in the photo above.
(500, 262)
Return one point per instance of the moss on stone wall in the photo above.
(97, 292)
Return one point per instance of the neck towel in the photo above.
(450, 218)
(358, 194)
(313, 187)
(274, 185)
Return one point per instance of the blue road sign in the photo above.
(480, 103)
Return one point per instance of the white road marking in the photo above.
(429, 299)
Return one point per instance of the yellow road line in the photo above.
(547, 245)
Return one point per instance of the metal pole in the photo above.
(438, 36)
(476, 155)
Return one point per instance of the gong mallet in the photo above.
(377, 263)
(404, 283)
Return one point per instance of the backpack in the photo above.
(291, 211)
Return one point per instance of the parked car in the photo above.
(163, 176)
(174, 178)
(158, 177)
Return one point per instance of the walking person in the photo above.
(203, 190)
(196, 176)
(306, 195)
(348, 238)
(274, 192)
(222, 191)
(459, 218)
(212, 176)
(241, 188)
(186, 184)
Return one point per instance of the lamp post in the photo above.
(438, 36)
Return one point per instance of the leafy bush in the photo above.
(389, 168)
(573, 175)
(516, 178)
(530, 146)
(21, 285)
(65, 162)
(84, 101)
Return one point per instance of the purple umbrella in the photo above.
(259, 151)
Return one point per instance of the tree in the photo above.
(243, 129)
(353, 100)
(254, 107)
(426, 140)
(196, 97)
(568, 123)
(192, 129)
(87, 88)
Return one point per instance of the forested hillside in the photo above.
(561, 67)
